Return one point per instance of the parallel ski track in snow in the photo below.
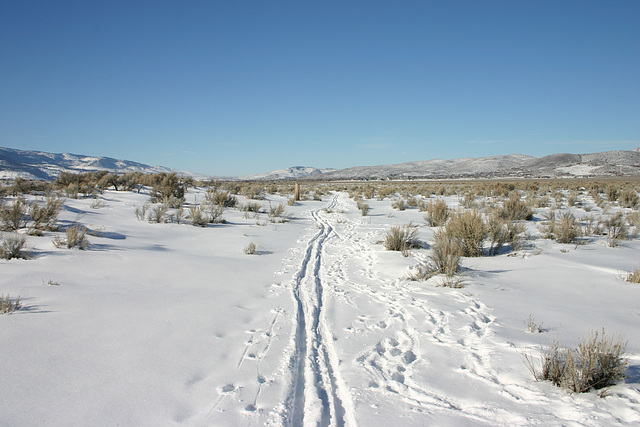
(315, 396)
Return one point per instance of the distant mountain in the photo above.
(608, 163)
(433, 168)
(40, 165)
(47, 166)
(289, 173)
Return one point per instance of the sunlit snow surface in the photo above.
(170, 324)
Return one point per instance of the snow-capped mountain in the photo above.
(437, 168)
(41, 165)
(289, 173)
(608, 163)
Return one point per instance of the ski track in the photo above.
(315, 396)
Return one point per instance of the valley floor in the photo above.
(170, 324)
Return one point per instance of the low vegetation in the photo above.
(469, 229)
(76, 237)
(8, 305)
(445, 256)
(250, 249)
(596, 363)
(12, 247)
(437, 212)
(402, 238)
(634, 276)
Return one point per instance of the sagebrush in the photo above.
(596, 363)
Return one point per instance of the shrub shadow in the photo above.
(107, 235)
(632, 374)
(75, 210)
(30, 308)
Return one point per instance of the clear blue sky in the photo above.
(241, 87)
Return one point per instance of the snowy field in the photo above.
(169, 324)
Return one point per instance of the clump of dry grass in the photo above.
(362, 206)
(256, 207)
(634, 276)
(14, 215)
(616, 229)
(514, 209)
(445, 256)
(11, 247)
(596, 363)
(563, 228)
(469, 201)
(399, 204)
(533, 326)
(446, 253)
(198, 216)
(221, 198)
(250, 249)
(502, 232)
(437, 212)
(76, 238)
(159, 214)
(629, 198)
(469, 229)
(277, 213)
(141, 211)
(8, 305)
(402, 239)
(45, 217)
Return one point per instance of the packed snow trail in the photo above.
(338, 268)
(315, 397)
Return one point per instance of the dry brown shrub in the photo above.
(597, 362)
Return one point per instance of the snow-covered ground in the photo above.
(170, 324)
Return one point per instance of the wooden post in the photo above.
(296, 192)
